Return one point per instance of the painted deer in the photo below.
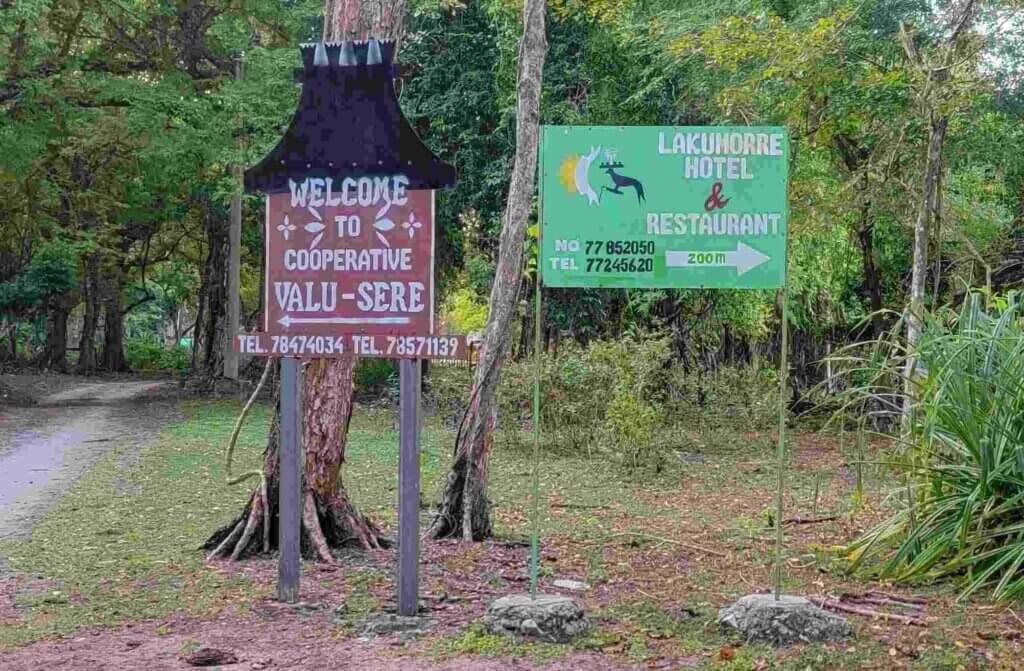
(620, 181)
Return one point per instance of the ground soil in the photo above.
(278, 638)
(658, 559)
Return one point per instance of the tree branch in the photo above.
(137, 303)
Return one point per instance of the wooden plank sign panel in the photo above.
(304, 345)
(353, 256)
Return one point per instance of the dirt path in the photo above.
(45, 448)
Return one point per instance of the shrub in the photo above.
(577, 387)
(374, 376)
(964, 460)
(463, 312)
(147, 354)
(630, 422)
(450, 385)
(615, 397)
(731, 397)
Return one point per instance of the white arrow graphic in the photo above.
(287, 320)
(743, 259)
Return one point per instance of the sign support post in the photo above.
(349, 260)
(780, 456)
(535, 534)
(650, 207)
(289, 495)
(409, 488)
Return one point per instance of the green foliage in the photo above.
(374, 375)
(150, 355)
(52, 271)
(730, 398)
(630, 423)
(463, 310)
(647, 403)
(449, 390)
(570, 410)
(963, 463)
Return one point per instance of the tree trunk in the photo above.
(361, 19)
(215, 276)
(55, 355)
(113, 329)
(937, 74)
(176, 325)
(329, 519)
(526, 328)
(464, 508)
(11, 353)
(937, 240)
(200, 307)
(919, 274)
(91, 318)
(872, 273)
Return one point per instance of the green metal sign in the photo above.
(674, 206)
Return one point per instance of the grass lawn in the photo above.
(659, 551)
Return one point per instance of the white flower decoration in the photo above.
(412, 224)
(286, 228)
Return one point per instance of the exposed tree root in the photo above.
(311, 522)
(326, 525)
(465, 510)
(255, 518)
(223, 540)
(328, 518)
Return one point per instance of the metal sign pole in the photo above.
(535, 523)
(535, 535)
(289, 499)
(780, 456)
(409, 487)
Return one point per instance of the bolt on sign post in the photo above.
(669, 207)
(349, 244)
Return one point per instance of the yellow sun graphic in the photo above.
(567, 173)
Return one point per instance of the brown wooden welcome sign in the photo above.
(349, 243)
(349, 237)
(357, 255)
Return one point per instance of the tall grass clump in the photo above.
(963, 456)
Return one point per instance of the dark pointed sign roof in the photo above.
(348, 124)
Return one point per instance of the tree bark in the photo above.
(464, 508)
(215, 277)
(361, 19)
(55, 355)
(936, 73)
(91, 318)
(937, 240)
(113, 328)
(329, 518)
(919, 271)
(871, 271)
(11, 353)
